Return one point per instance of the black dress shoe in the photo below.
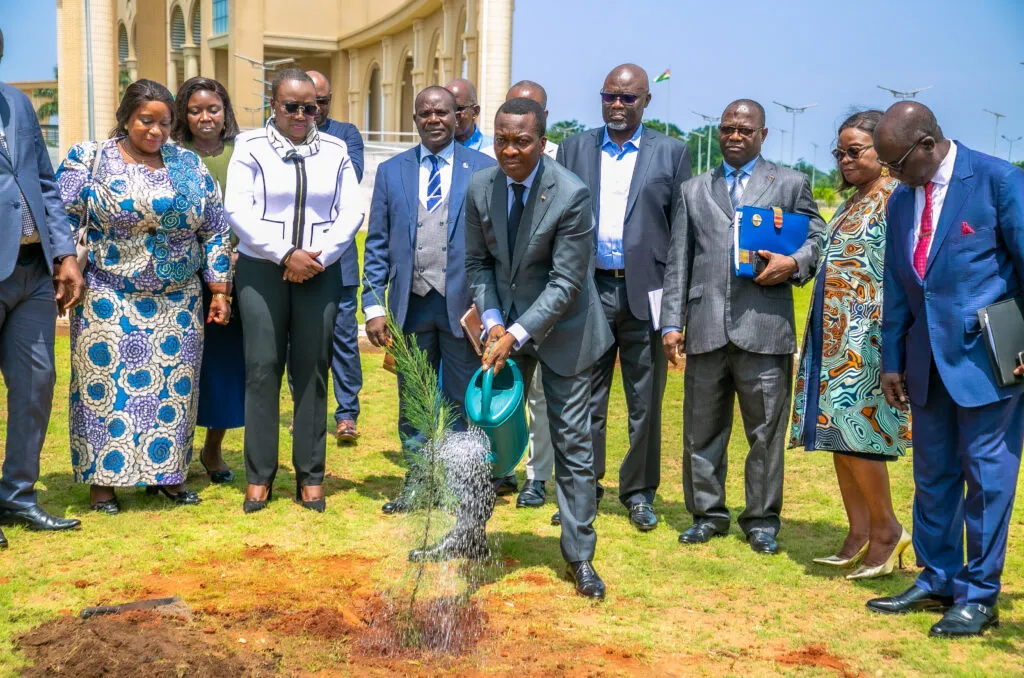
(965, 620)
(454, 545)
(533, 494)
(588, 583)
(181, 497)
(914, 599)
(35, 518)
(642, 516)
(3, 540)
(701, 532)
(505, 485)
(762, 541)
(110, 506)
(556, 518)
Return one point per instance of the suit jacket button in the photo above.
(513, 285)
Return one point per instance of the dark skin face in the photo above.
(149, 126)
(294, 126)
(435, 119)
(621, 118)
(470, 109)
(323, 96)
(517, 145)
(205, 117)
(738, 149)
(865, 170)
(919, 166)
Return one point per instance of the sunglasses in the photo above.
(898, 165)
(323, 101)
(729, 130)
(628, 99)
(460, 109)
(293, 107)
(853, 152)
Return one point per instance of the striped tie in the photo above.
(736, 194)
(433, 185)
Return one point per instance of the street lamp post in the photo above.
(904, 95)
(792, 140)
(1009, 155)
(709, 122)
(814, 166)
(995, 135)
(782, 144)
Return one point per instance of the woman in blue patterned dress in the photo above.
(155, 220)
(839, 406)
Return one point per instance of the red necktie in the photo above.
(924, 238)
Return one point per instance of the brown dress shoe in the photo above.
(346, 431)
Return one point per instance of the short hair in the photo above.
(1, 44)
(530, 84)
(863, 120)
(287, 75)
(521, 106)
(136, 94)
(752, 104)
(181, 132)
(434, 88)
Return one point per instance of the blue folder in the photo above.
(765, 228)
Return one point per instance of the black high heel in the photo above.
(217, 477)
(254, 505)
(184, 497)
(318, 505)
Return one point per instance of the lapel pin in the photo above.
(543, 197)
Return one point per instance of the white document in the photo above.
(654, 297)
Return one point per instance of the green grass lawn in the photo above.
(717, 609)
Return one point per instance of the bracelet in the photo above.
(222, 296)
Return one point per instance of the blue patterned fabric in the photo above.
(137, 337)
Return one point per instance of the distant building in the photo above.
(377, 53)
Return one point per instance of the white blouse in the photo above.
(275, 206)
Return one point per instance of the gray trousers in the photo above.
(28, 313)
(568, 400)
(763, 384)
(542, 453)
(638, 349)
(276, 313)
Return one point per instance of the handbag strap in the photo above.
(84, 220)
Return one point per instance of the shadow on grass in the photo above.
(64, 495)
(516, 550)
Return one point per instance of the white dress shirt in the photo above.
(617, 165)
(941, 182)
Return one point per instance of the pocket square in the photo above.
(965, 229)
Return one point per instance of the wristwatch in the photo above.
(226, 297)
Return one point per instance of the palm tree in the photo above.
(48, 108)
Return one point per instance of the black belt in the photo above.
(611, 272)
(30, 253)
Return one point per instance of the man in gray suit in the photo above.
(634, 175)
(38, 276)
(529, 259)
(740, 335)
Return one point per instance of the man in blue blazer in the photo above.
(38, 277)
(955, 244)
(345, 366)
(415, 252)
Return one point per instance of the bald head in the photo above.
(323, 96)
(629, 75)
(907, 121)
(746, 107)
(466, 106)
(625, 95)
(528, 89)
(435, 92)
(909, 143)
(464, 91)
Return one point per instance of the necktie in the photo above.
(515, 215)
(28, 224)
(433, 185)
(736, 194)
(924, 238)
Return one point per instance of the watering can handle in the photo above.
(485, 393)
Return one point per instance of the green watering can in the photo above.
(497, 404)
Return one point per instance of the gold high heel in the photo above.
(886, 568)
(836, 561)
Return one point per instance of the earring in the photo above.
(885, 171)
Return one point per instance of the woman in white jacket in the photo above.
(292, 199)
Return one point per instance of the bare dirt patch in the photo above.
(817, 655)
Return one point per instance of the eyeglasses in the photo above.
(293, 107)
(853, 152)
(628, 99)
(460, 109)
(729, 130)
(323, 101)
(898, 165)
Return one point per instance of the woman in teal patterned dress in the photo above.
(136, 340)
(839, 406)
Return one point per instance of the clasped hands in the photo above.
(497, 349)
(301, 265)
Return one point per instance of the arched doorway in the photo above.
(177, 55)
(373, 118)
(123, 75)
(405, 110)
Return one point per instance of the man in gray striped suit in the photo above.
(740, 334)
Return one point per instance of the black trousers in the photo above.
(276, 313)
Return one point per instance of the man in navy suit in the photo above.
(415, 252)
(954, 245)
(345, 366)
(38, 277)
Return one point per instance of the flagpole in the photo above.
(668, 123)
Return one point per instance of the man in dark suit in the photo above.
(415, 256)
(634, 175)
(529, 258)
(954, 245)
(740, 333)
(39, 276)
(345, 366)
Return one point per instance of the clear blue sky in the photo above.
(797, 52)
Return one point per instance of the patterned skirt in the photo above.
(136, 351)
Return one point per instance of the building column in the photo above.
(191, 55)
(132, 66)
(389, 114)
(449, 39)
(339, 76)
(419, 58)
(355, 87)
(495, 70)
(172, 73)
(245, 36)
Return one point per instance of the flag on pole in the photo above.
(664, 76)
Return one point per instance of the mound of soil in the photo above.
(449, 626)
(134, 643)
